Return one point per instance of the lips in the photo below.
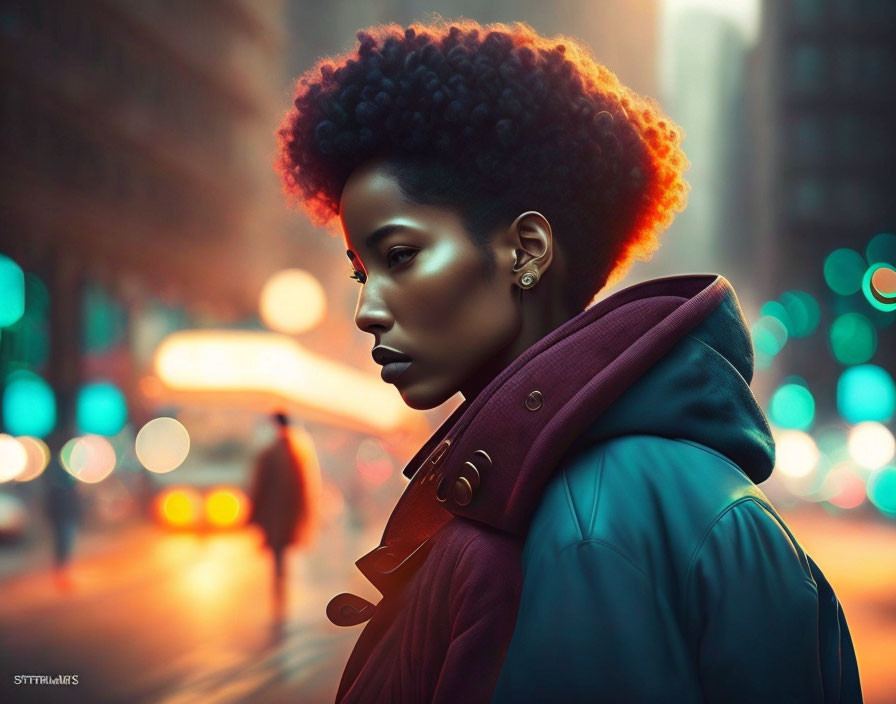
(394, 363)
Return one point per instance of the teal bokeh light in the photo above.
(881, 490)
(769, 335)
(101, 409)
(774, 309)
(882, 249)
(843, 271)
(853, 339)
(803, 311)
(12, 291)
(29, 405)
(866, 392)
(793, 407)
(866, 289)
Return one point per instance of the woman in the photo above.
(586, 526)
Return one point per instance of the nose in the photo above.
(372, 315)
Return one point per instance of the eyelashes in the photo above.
(395, 258)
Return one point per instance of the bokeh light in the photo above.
(774, 309)
(871, 444)
(793, 407)
(845, 488)
(853, 339)
(866, 392)
(226, 507)
(843, 271)
(29, 405)
(101, 409)
(796, 453)
(881, 489)
(374, 463)
(882, 249)
(89, 458)
(769, 335)
(13, 458)
(38, 458)
(162, 445)
(12, 291)
(292, 301)
(882, 294)
(179, 507)
(803, 311)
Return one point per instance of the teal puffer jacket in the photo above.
(656, 570)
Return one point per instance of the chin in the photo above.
(423, 399)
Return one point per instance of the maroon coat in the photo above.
(449, 562)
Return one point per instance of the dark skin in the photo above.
(428, 293)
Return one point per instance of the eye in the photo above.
(358, 276)
(399, 255)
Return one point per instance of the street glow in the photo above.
(847, 490)
(796, 453)
(792, 406)
(101, 409)
(12, 291)
(243, 361)
(179, 507)
(225, 508)
(38, 458)
(374, 463)
(29, 405)
(13, 458)
(89, 458)
(871, 445)
(292, 301)
(882, 489)
(162, 445)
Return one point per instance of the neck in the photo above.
(542, 312)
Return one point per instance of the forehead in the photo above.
(371, 199)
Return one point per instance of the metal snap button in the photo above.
(471, 472)
(534, 401)
(484, 460)
(463, 491)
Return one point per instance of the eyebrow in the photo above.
(375, 237)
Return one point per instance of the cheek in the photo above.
(460, 313)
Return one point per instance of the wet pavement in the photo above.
(170, 618)
(175, 618)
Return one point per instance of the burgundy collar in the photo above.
(490, 461)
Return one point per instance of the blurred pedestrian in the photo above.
(63, 509)
(280, 499)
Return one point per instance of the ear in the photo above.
(533, 242)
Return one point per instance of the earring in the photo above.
(529, 278)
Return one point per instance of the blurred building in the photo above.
(825, 80)
(137, 143)
(703, 59)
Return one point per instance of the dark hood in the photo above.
(699, 391)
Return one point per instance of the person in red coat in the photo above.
(279, 499)
(586, 526)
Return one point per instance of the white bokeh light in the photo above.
(796, 453)
(871, 444)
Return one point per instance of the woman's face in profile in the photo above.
(442, 321)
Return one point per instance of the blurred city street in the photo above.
(154, 616)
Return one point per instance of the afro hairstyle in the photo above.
(492, 121)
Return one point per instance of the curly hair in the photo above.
(492, 121)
